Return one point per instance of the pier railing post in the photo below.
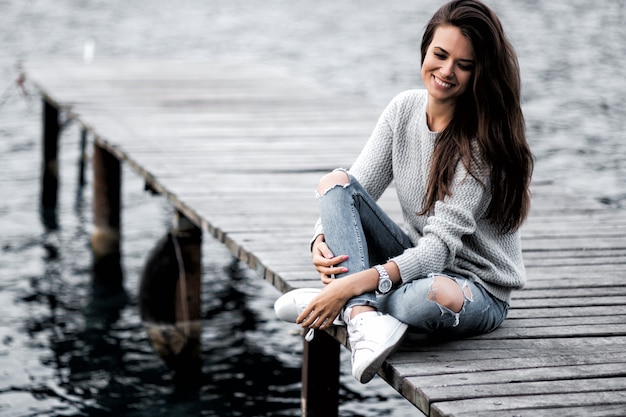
(320, 376)
(105, 240)
(50, 168)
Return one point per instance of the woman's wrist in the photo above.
(367, 280)
(394, 272)
(361, 282)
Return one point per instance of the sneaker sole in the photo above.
(394, 340)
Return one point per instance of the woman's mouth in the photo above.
(441, 83)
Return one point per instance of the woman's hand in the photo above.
(326, 306)
(325, 262)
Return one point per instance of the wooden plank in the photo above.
(495, 370)
(534, 392)
(552, 313)
(453, 393)
(507, 376)
(595, 410)
(547, 403)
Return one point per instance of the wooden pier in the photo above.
(238, 149)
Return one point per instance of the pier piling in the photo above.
(50, 169)
(320, 376)
(105, 240)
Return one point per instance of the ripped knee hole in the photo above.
(332, 179)
(446, 292)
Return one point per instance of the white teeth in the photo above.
(441, 83)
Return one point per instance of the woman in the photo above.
(459, 159)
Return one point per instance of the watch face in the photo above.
(384, 285)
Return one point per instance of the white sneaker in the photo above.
(373, 336)
(289, 305)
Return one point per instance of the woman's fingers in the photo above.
(327, 274)
(324, 250)
(311, 318)
(320, 312)
(326, 263)
(326, 279)
(330, 266)
(315, 321)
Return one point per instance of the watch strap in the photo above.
(383, 276)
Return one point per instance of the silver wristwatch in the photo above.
(384, 282)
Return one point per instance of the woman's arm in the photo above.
(323, 309)
(446, 227)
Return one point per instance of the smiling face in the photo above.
(448, 65)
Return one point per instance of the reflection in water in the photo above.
(104, 364)
(70, 348)
(254, 383)
(174, 329)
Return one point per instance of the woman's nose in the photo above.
(447, 69)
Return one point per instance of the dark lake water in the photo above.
(61, 354)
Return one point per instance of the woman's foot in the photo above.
(359, 309)
(373, 336)
(289, 305)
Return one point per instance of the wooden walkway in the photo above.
(238, 149)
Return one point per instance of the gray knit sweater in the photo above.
(456, 236)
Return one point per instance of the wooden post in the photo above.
(320, 376)
(50, 168)
(105, 240)
(82, 158)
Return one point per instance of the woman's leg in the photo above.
(445, 305)
(356, 226)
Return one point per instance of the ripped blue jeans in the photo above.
(356, 226)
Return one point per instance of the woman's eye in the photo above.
(439, 55)
(466, 67)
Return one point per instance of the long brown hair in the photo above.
(488, 115)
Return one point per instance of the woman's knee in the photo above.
(447, 293)
(332, 179)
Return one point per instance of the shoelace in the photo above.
(354, 331)
(310, 335)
